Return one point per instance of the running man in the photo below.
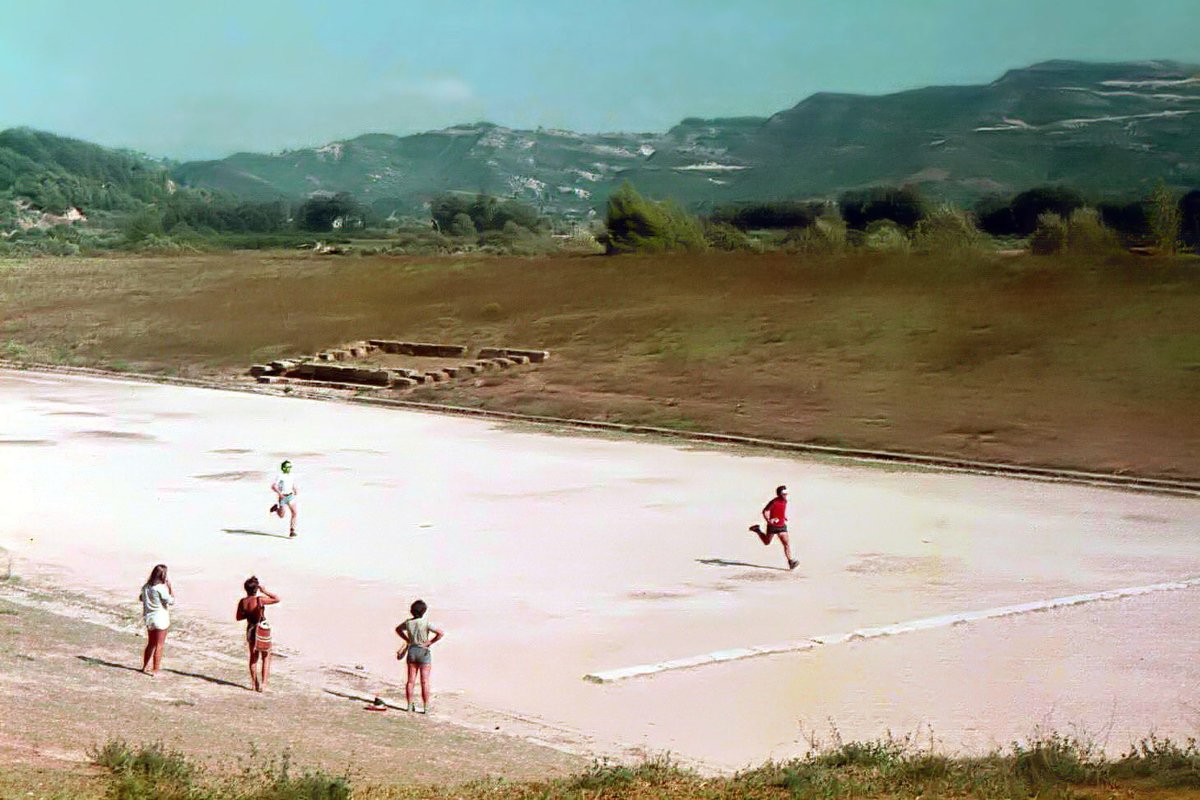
(775, 514)
(285, 494)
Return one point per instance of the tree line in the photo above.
(1052, 218)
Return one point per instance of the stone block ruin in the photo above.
(336, 367)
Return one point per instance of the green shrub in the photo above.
(1087, 234)
(948, 230)
(723, 236)
(1166, 221)
(885, 236)
(1050, 236)
(826, 236)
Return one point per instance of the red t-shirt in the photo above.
(777, 511)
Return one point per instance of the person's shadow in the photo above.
(100, 662)
(721, 562)
(248, 532)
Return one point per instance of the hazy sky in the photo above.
(201, 79)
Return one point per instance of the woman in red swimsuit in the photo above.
(252, 608)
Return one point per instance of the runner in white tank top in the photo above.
(285, 490)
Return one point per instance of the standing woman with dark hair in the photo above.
(157, 595)
(252, 608)
(415, 631)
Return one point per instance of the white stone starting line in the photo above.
(926, 623)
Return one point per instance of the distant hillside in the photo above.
(55, 172)
(557, 170)
(1108, 129)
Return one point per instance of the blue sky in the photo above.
(203, 79)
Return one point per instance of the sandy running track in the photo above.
(549, 557)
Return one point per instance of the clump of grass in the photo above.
(1166, 763)
(1046, 766)
(149, 771)
(605, 776)
(154, 772)
(1056, 760)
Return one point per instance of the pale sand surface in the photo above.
(548, 557)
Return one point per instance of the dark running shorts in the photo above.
(776, 529)
(419, 655)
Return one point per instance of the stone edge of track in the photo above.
(1187, 487)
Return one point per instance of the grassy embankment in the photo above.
(1045, 360)
(1050, 767)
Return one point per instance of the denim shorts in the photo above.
(419, 655)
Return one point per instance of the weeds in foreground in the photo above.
(154, 772)
(1047, 766)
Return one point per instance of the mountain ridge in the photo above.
(1111, 128)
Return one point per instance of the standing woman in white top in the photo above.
(285, 494)
(156, 597)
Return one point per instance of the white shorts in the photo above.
(158, 620)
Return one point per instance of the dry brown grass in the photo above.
(1031, 360)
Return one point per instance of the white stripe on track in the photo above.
(926, 623)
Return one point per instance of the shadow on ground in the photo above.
(721, 562)
(100, 662)
(248, 532)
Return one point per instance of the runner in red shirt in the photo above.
(775, 514)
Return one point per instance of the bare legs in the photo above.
(152, 655)
(765, 538)
(290, 507)
(259, 682)
(787, 549)
(413, 671)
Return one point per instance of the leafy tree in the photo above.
(768, 216)
(486, 212)
(143, 225)
(902, 206)
(1021, 215)
(1131, 220)
(462, 225)
(1189, 214)
(319, 213)
(638, 225)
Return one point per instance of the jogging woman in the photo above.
(415, 631)
(156, 597)
(252, 608)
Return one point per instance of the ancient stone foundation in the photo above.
(322, 369)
